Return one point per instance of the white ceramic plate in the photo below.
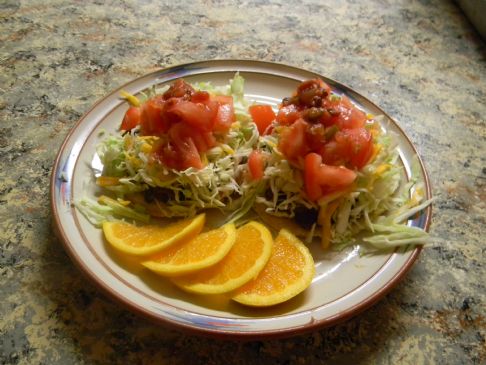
(344, 284)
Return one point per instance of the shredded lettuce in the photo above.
(111, 210)
(394, 235)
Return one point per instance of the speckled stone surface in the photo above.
(420, 60)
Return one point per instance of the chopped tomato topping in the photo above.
(186, 120)
(288, 114)
(189, 155)
(198, 115)
(131, 119)
(321, 179)
(263, 116)
(202, 140)
(256, 165)
(315, 120)
(225, 115)
(178, 153)
(356, 146)
(292, 140)
(200, 97)
(153, 119)
(179, 89)
(344, 114)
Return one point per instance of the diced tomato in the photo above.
(189, 155)
(356, 146)
(311, 176)
(172, 157)
(225, 115)
(198, 115)
(356, 119)
(288, 114)
(344, 114)
(131, 119)
(179, 89)
(350, 147)
(180, 151)
(224, 118)
(200, 97)
(313, 84)
(320, 178)
(209, 139)
(292, 142)
(153, 120)
(334, 153)
(185, 147)
(202, 140)
(223, 99)
(256, 165)
(262, 115)
(164, 151)
(315, 136)
(350, 116)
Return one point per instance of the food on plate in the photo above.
(193, 254)
(316, 164)
(249, 254)
(318, 161)
(147, 239)
(288, 272)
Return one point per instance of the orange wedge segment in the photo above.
(206, 249)
(145, 240)
(243, 262)
(289, 271)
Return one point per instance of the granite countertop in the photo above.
(421, 61)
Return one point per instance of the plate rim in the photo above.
(221, 332)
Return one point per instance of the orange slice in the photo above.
(145, 240)
(206, 249)
(243, 262)
(289, 271)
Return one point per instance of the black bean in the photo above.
(305, 217)
(162, 195)
(148, 195)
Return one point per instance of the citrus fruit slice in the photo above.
(288, 272)
(243, 262)
(206, 249)
(145, 240)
